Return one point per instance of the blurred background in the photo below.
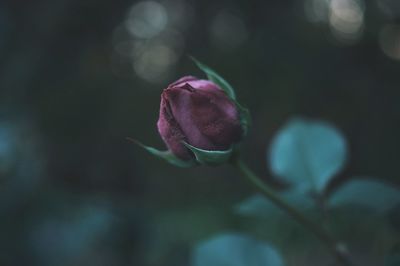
(78, 77)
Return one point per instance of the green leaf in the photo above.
(235, 249)
(166, 155)
(308, 153)
(375, 195)
(217, 79)
(259, 206)
(210, 157)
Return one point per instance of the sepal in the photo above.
(212, 158)
(166, 155)
(216, 78)
(245, 117)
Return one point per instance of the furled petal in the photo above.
(199, 84)
(181, 105)
(182, 81)
(217, 117)
(170, 131)
(206, 116)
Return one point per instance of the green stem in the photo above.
(334, 246)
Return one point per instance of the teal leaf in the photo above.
(375, 195)
(57, 240)
(165, 155)
(259, 216)
(393, 259)
(210, 157)
(259, 206)
(307, 153)
(235, 249)
(217, 79)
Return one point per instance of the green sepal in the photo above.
(165, 155)
(211, 158)
(217, 79)
(245, 118)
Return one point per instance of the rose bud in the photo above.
(200, 121)
(197, 115)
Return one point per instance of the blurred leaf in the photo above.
(183, 227)
(235, 250)
(262, 218)
(393, 259)
(307, 153)
(367, 234)
(165, 155)
(210, 157)
(66, 240)
(394, 217)
(21, 165)
(259, 206)
(373, 194)
(217, 79)
(357, 216)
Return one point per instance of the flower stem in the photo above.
(335, 247)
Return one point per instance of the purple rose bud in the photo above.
(199, 113)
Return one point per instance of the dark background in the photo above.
(78, 77)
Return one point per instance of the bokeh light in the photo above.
(8, 149)
(146, 19)
(21, 163)
(390, 8)
(345, 18)
(154, 61)
(228, 31)
(317, 10)
(152, 39)
(389, 40)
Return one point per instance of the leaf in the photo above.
(372, 194)
(217, 79)
(65, 239)
(235, 250)
(166, 155)
(358, 213)
(182, 225)
(393, 259)
(210, 157)
(259, 206)
(360, 227)
(266, 219)
(307, 153)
